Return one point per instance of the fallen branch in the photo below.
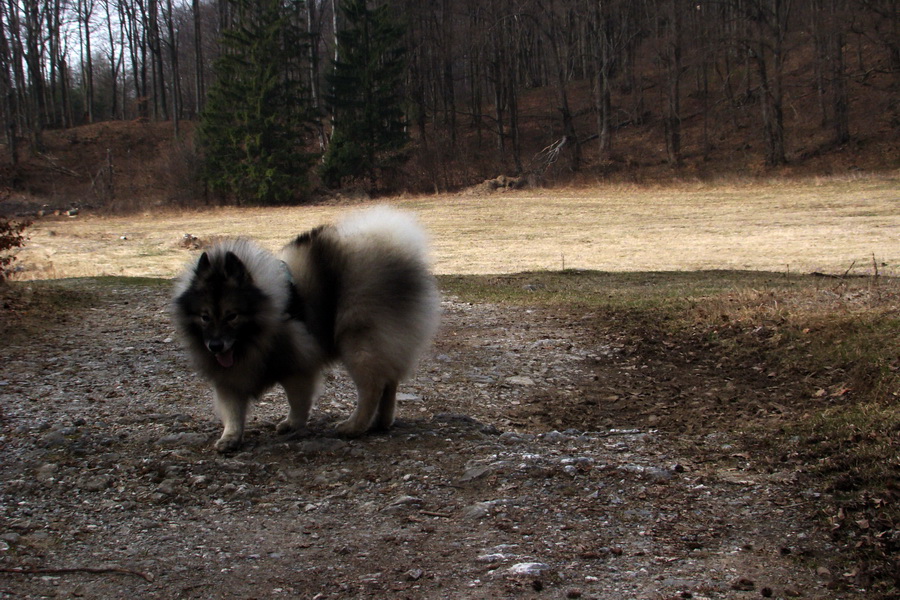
(57, 167)
(70, 570)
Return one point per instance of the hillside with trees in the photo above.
(270, 101)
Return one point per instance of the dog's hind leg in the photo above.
(387, 406)
(232, 410)
(301, 391)
(369, 398)
(369, 365)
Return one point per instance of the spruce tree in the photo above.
(365, 96)
(257, 117)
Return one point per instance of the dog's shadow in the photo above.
(320, 433)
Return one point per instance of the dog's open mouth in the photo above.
(226, 359)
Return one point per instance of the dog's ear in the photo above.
(235, 269)
(203, 265)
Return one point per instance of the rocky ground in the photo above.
(537, 456)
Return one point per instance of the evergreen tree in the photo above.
(257, 118)
(365, 96)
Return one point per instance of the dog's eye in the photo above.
(231, 318)
(205, 318)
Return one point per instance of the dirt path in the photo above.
(498, 482)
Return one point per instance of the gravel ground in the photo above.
(496, 483)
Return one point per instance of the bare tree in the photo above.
(199, 82)
(768, 22)
(114, 57)
(172, 42)
(34, 59)
(154, 44)
(557, 20)
(7, 91)
(84, 14)
(671, 57)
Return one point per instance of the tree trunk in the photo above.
(33, 59)
(176, 74)
(313, 29)
(7, 93)
(86, 10)
(602, 68)
(839, 100)
(157, 70)
(555, 37)
(672, 60)
(199, 91)
(770, 18)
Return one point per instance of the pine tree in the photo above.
(365, 96)
(257, 118)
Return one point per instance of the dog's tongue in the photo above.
(226, 359)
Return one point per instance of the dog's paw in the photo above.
(285, 427)
(349, 428)
(228, 443)
(293, 431)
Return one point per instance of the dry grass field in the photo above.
(831, 225)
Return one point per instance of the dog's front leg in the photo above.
(301, 391)
(232, 410)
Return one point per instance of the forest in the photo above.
(393, 95)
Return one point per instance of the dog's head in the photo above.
(221, 305)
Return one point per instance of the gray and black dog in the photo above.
(359, 292)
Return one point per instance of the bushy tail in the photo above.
(389, 226)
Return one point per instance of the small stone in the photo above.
(743, 584)
(554, 437)
(414, 574)
(479, 510)
(529, 568)
(401, 502)
(53, 439)
(321, 445)
(182, 439)
(520, 380)
(97, 484)
(474, 473)
(491, 558)
(47, 471)
(12, 537)
(574, 593)
(167, 487)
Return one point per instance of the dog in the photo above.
(358, 292)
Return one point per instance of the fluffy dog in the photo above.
(359, 292)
